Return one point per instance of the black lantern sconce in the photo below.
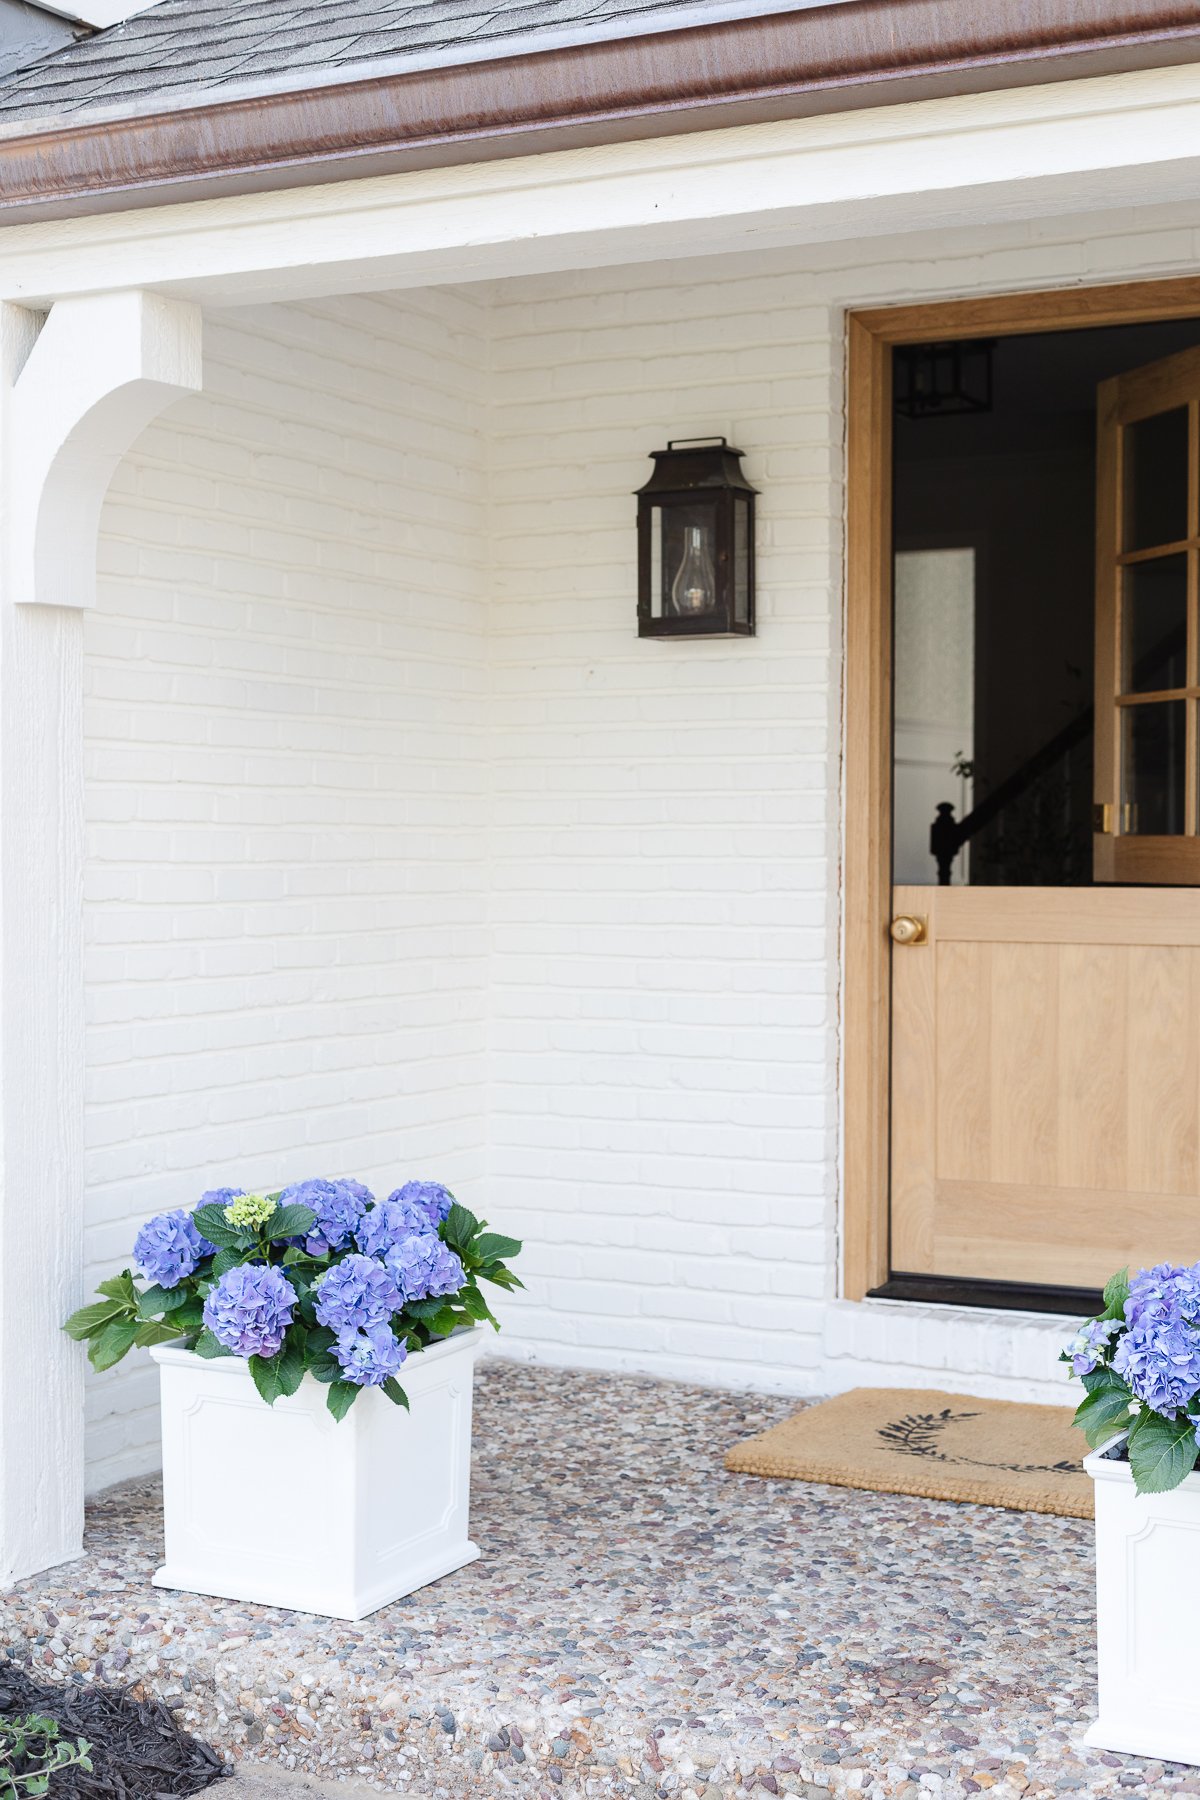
(938, 381)
(696, 543)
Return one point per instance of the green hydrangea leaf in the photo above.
(423, 1309)
(1103, 1413)
(210, 1347)
(158, 1331)
(502, 1278)
(460, 1228)
(158, 1300)
(225, 1260)
(112, 1342)
(1162, 1452)
(212, 1224)
(1096, 1379)
(278, 1376)
(395, 1392)
(289, 1222)
(492, 1247)
(88, 1320)
(1116, 1292)
(341, 1397)
(120, 1287)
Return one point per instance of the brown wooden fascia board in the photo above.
(827, 59)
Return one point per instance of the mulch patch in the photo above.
(138, 1752)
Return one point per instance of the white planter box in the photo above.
(1148, 1601)
(284, 1506)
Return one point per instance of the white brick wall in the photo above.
(285, 908)
(665, 830)
(406, 854)
(663, 1118)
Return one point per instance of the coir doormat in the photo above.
(938, 1446)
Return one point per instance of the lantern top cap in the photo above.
(688, 463)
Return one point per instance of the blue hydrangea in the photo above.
(388, 1223)
(424, 1267)
(369, 1358)
(356, 1293)
(339, 1206)
(1160, 1362)
(1089, 1345)
(250, 1309)
(221, 1196)
(425, 1200)
(1166, 1292)
(168, 1248)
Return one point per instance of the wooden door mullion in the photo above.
(1109, 580)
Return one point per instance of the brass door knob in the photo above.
(905, 929)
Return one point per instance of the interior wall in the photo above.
(285, 900)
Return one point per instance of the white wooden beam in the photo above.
(72, 399)
(100, 371)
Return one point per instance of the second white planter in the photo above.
(285, 1506)
(1147, 1604)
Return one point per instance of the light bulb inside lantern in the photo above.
(694, 589)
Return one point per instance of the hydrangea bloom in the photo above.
(168, 1248)
(1089, 1344)
(356, 1293)
(1160, 1361)
(221, 1196)
(390, 1222)
(339, 1205)
(426, 1200)
(249, 1210)
(369, 1358)
(250, 1309)
(1166, 1292)
(424, 1267)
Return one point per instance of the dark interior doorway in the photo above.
(994, 534)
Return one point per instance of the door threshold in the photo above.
(999, 1296)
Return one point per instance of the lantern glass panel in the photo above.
(687, 566)
(656, 562)
(741, 562)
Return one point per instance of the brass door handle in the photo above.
(905, 929)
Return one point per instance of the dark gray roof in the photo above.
(199, 50)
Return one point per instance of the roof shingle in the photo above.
(193, 49)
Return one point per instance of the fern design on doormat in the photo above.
(918, 1434)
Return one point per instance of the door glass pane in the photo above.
(934, 709)
(1156, 474)
(1153, 760)
(1154, 625)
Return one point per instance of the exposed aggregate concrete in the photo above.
(640, 1624)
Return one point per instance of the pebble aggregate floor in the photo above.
(640, 1623)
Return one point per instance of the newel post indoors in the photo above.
(77, 386)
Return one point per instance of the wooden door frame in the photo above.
(867, 740)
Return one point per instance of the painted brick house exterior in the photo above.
(400, 853)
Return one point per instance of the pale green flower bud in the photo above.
(249, 1210)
